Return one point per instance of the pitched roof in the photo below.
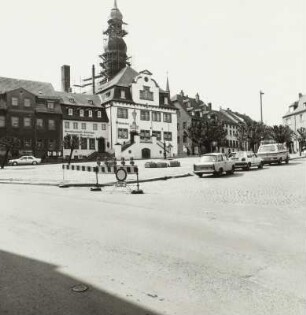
(298, 106)
(123, 78)
(79, 99)
(35, 87)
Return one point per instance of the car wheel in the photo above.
(200, 175)
(34, 163)
(14, 163)
(287, 160)
(280, 161)
(231, 171)
(260, 165)
(220, 172)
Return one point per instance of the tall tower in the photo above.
(114, 57)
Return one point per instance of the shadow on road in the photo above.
(29, 286)
(223, 176)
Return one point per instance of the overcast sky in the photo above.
(226, 50)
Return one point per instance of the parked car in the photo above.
(246, 159)
(273, 153)
(214, 163)
(25, 160)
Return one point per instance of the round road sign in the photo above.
(121, 174)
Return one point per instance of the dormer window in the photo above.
(146, 94)
(90, 113)
(90, 102)
(81, 112)
(70, 111)
(50, 105)
(99, 114)
(71, 100)
(107, 95)
(166, 100)
(122, 94)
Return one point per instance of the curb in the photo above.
(10, 182)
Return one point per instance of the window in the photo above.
(95, 127)
(71, 100)
(27, 102)
(82, 112)
(70, 111)
(39, 144)
(122, 94)
(99, 114)
(39, 123)
(83, 126)
(27, 143)
(184, 125)
(157, 134)
(146, 94)
(122, 133)
(144, 115)
(90, 102)
(107, 95)
(92, 144)
(51, 124)
(15, 122)
(166, 100)
(27, 122)
(2, 121)
(14, 101)
(167, 136)
(84, 143)
(103, 126)
(90, 113)
(167, 117)
(156, 116)
(75, 125)
(50, 105)
(67, 124)
(122, 113)
(145, 134)
(51, 144)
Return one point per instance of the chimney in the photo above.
(197, 98)
(300, 95)
(65, 71)
(209, 106)
(182, 93)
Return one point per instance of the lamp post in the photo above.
(261, 94)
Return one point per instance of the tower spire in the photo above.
(167, 85)
(115, 4)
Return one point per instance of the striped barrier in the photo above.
(101, 169)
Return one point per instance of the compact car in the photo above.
(246, 159)
(25, 160)
(273, 153)
(214, 163)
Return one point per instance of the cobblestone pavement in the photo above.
(229, 245)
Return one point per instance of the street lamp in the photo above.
(261, 94)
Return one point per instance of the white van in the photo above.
(273, 153)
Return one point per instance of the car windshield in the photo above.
(266, 148)
(208, 158)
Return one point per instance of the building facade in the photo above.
(31, 112)
(295, 118)
(137, 107)
(84, 117)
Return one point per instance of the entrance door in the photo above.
(145, 153)
(101, 145)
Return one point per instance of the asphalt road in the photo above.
(228, 245)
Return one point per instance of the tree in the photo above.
(9, 143)
(282, 134)
(71, 142)
(301, 137)
(204, 133)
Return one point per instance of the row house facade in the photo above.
(192, 110)
(31, 112)
(142, 118)
(41, 117)
(295, 118)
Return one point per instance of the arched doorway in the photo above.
(146, 153)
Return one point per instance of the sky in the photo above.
(227, 51)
